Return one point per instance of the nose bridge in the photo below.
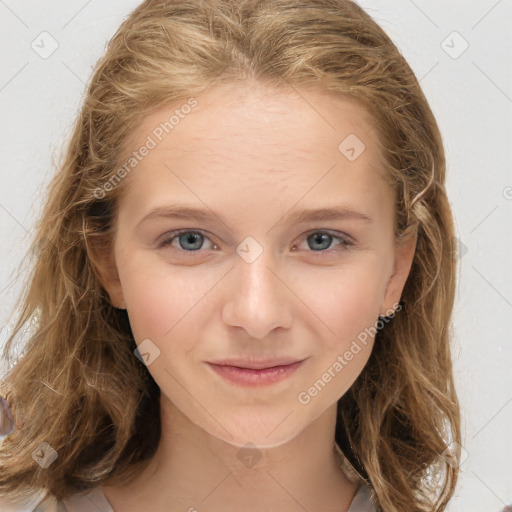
(259, 300)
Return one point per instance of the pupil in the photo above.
(190, 238)
(321, 235)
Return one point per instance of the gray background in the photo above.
(470, 91)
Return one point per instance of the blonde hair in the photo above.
(77, 384)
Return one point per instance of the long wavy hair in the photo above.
(77, 385)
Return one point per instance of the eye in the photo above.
(319, 241)
(193, 241)
(189, 241)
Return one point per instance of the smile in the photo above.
(253, 377)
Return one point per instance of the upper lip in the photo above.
(256, 364)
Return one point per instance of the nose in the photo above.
(259, 297)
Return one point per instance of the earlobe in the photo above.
(404, 256)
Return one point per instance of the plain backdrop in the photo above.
(461, 54)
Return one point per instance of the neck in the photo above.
(192, 470)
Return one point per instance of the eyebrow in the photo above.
(301, 216)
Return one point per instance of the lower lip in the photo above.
(249, 377)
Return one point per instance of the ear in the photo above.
(404, 256)
(104, 264)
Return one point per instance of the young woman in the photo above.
(244, 276)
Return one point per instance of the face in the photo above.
(252, 279)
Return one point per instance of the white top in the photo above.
(94, 501)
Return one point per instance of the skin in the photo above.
(252, 155)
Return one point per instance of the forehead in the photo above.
(257, 138)
(257, 114)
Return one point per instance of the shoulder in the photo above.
(50, 504)
(84, 501)
(34, 503)
(363, 501)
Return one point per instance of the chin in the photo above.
(264, 432)
(257, 441)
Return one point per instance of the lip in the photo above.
(263, 376)
(256, 364)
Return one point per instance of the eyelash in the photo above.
(345, 244)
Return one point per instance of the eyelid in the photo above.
(347, 241)
(338, 234)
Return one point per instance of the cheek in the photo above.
(345, 301)
(158, 302)
(348, 306)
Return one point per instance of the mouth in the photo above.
(256, 364)
(256, 373)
